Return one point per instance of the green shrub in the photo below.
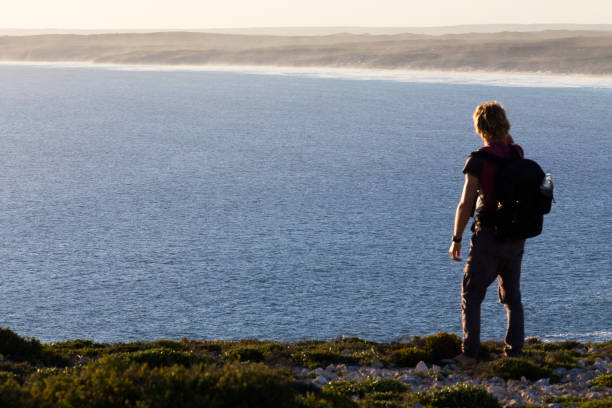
(311, 400)
(14, 395)
(245, 353)
(382, 400)
(115, 382)
(579, 402)
(210, 346)
(169, 344)
(51, 371)
(353, 344)
(19, 348)
(442, 345)
(367, 386)
(76, 345)
(21, 370)
(596, 403)
(408, 356)
(162, 357)
(604, 380)
(515, 368)
(562, 345)
(561, 358)
(459, 396)
(606, 348)
(488, 347)
(313, 359)
(7, 375)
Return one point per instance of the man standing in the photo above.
(489, 257)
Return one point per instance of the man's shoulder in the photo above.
(473, 164)
(519, 149)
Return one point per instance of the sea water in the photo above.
(141, 204)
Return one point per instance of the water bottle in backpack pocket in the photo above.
(546, 194)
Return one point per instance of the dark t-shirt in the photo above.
(486, 171)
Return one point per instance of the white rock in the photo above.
(435, 368)
(377, 364)
(560, 371)
(404, 378)
(321, 380)
(421, 367)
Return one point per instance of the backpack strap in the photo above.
(499, 161)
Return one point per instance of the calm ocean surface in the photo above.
(144, 204)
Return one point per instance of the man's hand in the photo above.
(455, 251)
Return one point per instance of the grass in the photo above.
(188, 373)
(515, 368)
(579, 402)
(604, 380)
(459, 396)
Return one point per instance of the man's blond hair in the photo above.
(491, 123)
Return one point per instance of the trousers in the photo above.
(490, 258)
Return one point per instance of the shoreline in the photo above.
(527, 79)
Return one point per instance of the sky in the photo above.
(185, 14)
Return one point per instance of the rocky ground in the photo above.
(574, 382)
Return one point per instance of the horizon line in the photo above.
(314, 26)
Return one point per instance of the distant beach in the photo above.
(504, 79)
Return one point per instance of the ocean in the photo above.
(138, 204)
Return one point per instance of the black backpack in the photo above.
(521, 194)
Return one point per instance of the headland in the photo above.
(587, 52)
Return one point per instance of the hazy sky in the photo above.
(97, 14)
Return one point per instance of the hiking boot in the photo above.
(463, 360)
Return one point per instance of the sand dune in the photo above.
(555, 51)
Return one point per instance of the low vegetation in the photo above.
(188, 373)
(515, 368)
(459, 396)
(574, 402)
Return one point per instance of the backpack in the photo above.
(523, 192)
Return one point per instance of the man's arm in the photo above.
(463, 213)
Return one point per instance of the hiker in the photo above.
(489, 256)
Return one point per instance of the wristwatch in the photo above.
(456, 238)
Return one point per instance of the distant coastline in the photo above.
(551, 52)
(504, 79)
